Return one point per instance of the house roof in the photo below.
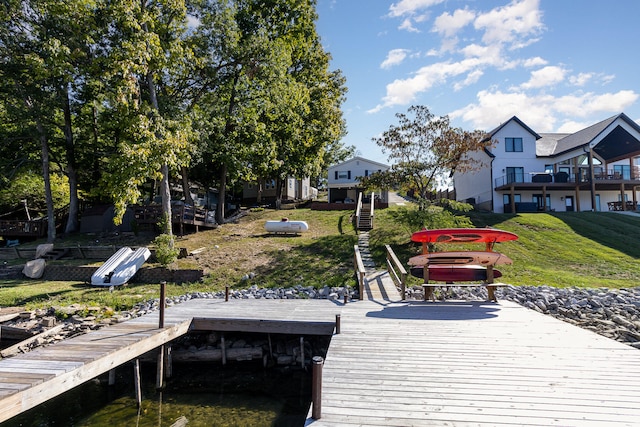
(382, 165)
(514, 119)
(556, 144)
(548, 142)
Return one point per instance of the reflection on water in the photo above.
(198, 394)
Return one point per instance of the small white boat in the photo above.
(121, 267)
(286, 226)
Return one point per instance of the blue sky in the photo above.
(559, 65)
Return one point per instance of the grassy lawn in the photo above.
(587, 249)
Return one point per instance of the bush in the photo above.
(166, 253)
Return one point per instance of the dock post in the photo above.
(302, 352)
(168, 362)
(226, 293)
(160, 363)
(316, 388)
(337, 324)
(163, 285)
(136, 382)
(112, 376)
(224, 350)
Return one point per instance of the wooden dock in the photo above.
(395, 363)
(32, 378)
(473, 363)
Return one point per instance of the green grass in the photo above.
(587, 249)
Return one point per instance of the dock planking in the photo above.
(28, 379)
(473, 363)
(394, 363)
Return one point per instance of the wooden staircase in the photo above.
(365, 222)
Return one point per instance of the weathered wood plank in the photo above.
(453, 363)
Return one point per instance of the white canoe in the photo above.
(286, 226)
(121, 267)
(461, 258)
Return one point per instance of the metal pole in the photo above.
(162, 303)
(316, 388)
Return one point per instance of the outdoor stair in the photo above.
(364, 222)
(56, 253)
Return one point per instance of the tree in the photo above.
(146, 56)
(423, 148)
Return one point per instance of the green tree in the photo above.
(146, 59)
(423, 148)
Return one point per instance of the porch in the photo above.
(607, 190)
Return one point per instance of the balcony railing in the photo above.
(563, 177)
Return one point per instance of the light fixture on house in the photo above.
(561, 197)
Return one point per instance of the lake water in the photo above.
(203, 394)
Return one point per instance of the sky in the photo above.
(558, 65)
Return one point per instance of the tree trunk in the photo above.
(185, 187)
(279, 186)
(51, 218)
(165, 189)
(72, 173)
(259, 191)
(222, 195)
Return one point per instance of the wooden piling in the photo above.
(136, 381)
(316, 388)
(337, 324)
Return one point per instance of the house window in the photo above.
(622, 172)
(513, 144)
(548, 168)
(506, 198)
(343, 174)
(515, 174)
(539, 200)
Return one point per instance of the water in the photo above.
(203, 394)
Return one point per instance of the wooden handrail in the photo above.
(394, 264)
(358, 209)
(371, 207)
(359, 269)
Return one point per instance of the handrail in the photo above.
(359, 269)
(392, 264)
(358, 209)
(371, 208)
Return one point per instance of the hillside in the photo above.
(586, 249)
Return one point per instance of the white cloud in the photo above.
(407, 25)
(404, 91)
(409, 7)
(571, 126)
(394, 57)
(534, 62)
(542, 111)
(547, 76)
(513, 24)
(449, 24)
(581, 79)
(472, 78)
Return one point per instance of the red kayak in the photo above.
(463, 235)
(454, 273)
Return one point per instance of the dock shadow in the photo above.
(454, 310)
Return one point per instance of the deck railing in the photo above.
(396, 270)
(358, 266)
(563, 177)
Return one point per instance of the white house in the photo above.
(343, 182)
(292, 189)
(596, 168)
